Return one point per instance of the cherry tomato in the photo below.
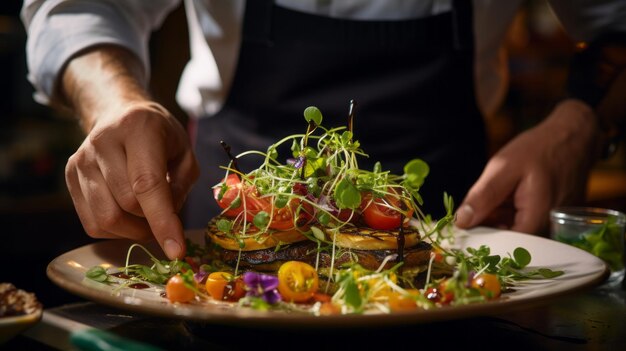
(283, 218)
(297, 281)
(246, 196)
(346, 215)
(379, 214)
(403, 302)
(177, 291)
(487, 284)
(321, 297)
(440, 294)
(223, 286)
(215, 284)
(329, 309)
(382, 289)
(249, 200)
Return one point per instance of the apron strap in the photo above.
(462, 18)
(257, 25)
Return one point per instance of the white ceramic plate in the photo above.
(582, 271)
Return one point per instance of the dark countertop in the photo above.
(590, 320)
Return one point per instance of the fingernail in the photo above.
(171, 248)
(464, 216)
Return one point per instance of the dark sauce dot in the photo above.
(120, 275)
(139, 286)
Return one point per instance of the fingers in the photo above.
(97, 209)
(488, 201)
(495, 185)
(112, 170)
(147, 176)
(131, 176)
(533, 200)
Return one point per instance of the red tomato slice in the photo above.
(377, 213)
(252, 204)
(296, 213)
(245, 195)
(233, 191)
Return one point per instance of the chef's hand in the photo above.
(132, 173)
(541, 168)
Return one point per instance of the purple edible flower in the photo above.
(299, 162)
(263, 286)
(200, 276)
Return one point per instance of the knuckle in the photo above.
(93, 230)
(108, 220)
(74, 160)
(99, 138)
(146, 182)
(128, 202)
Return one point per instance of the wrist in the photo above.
(579, 122)
(103, 83)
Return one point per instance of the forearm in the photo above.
(102, 83)
(598, 77)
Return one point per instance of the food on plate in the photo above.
(19, 310)
(320, 208)
(17, 302)
(318, 235)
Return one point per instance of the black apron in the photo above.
(412, 81)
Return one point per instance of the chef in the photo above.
(424, 75)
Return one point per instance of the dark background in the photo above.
(38, 221)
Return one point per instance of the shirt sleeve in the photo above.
(58, 29)
(584, 20)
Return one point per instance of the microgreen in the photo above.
(323, 162)
(603, 241)
(347, 195)
(97, 273)
(509, 269)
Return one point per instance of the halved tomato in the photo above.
(232, 196)
(238, 198)
(223, 286)
(297, 281)
(382, 212)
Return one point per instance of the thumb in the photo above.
(493, 187)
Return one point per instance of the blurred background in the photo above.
(37, 218)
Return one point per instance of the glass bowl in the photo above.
(599, 231)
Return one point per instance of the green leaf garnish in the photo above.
(347, 195)
(98, 274)
(522, 257)
(261, 219)
(312, 113)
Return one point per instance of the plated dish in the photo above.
(581, 271)
(19, 310)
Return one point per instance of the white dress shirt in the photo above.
(58, 29)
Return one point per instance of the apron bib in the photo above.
(412, 81)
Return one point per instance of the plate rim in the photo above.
(272, 319)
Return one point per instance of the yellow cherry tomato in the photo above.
(297, 281)
(216, 283)
(329, 309)
(403, 302)
(378, 287)
(488, 285)
(224, 286)
(177, 291)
